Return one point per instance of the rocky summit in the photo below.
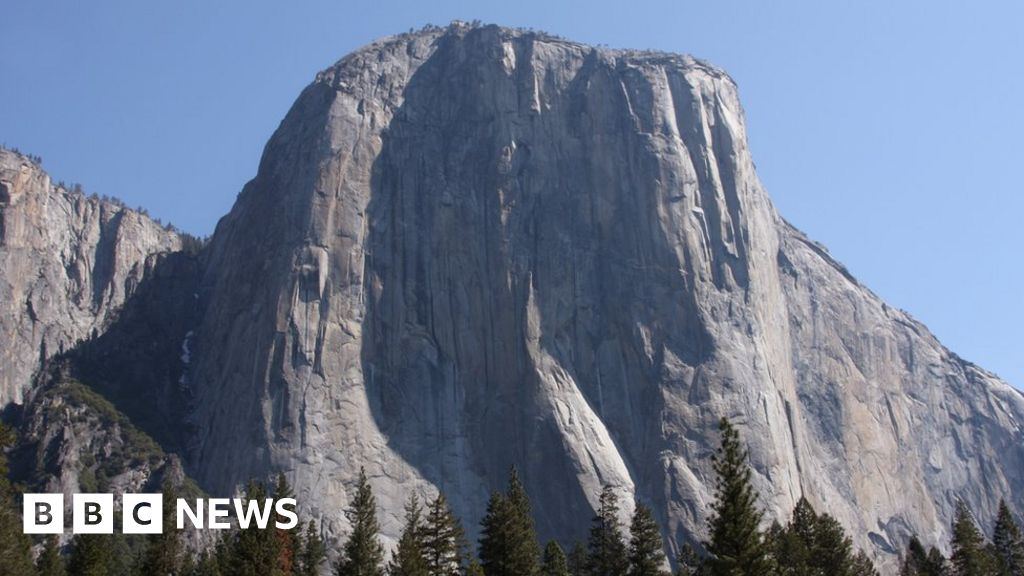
(470, 248)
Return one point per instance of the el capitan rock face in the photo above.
(473, 247)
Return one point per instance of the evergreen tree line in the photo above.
(815, 544)
(971, 554)
(433, 542)
(269, 551)
(810, 544)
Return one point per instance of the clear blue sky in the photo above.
(889, 131)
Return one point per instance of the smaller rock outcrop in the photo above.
(69, 263)
(73, 440)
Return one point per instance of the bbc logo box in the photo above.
(43, 514)
(144, 513)
(92, 514)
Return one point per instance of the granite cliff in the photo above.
(474, 247)
(69, 262)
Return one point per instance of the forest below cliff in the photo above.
(433, 541)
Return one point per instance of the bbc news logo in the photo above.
(144, 513)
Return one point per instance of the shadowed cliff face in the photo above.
(507, 248)
(472, 248)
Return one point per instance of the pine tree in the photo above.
(1008, 542)
(832, 550)
(812, 544)
(646, 549)
(288, 541)
(970, 556)
(50, 562)
(737, 547)
(408, 559)
(791, 554)
(861, 565)
(443, 539)
(918, 562)
(508, 541)
(523, 548)
(555, 563)
(494, 536)
(690, 563)
(313, 552)
(15, 546)
(163, 553)
(804, 522)
(608, 554)
(254, 550)
(915, 559)
(578, 560)
(91, 555)
(363, 554)
(937, 564)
